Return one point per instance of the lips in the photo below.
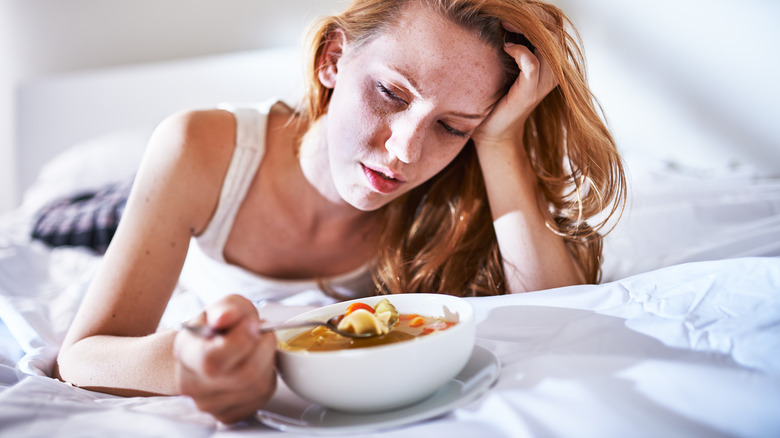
(381, 181)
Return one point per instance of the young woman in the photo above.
(449, 158)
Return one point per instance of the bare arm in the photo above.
(534, 257)
(113, 334)
(113, 345)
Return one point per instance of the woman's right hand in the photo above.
(230, 375)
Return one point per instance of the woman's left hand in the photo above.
(505, 123)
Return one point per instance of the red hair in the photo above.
(439, 237)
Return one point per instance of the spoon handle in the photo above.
(292, 325)
(207, 332)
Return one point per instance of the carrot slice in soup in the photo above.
(355, 306)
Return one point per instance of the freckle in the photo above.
(113, 315)
(147, 252)
(173, 244)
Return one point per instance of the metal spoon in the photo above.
(331, 324)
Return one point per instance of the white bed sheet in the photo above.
(688, 350)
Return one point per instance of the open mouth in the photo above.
(381, 181)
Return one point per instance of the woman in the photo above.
(454, 162)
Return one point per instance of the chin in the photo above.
(368, 206)
(367, 202)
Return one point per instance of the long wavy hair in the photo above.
(439, 237)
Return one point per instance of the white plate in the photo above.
(286, 411)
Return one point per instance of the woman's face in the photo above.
(404, 104)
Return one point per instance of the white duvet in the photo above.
(688, 350)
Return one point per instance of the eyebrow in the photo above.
(470, 116)
(408, 78)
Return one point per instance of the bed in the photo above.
(681, 338)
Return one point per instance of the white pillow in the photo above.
(677, 215)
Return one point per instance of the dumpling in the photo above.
(362, 321)
(386, 312)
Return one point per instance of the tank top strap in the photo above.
(251, 123)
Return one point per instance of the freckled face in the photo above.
(404, 104)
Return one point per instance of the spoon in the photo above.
(331, 324)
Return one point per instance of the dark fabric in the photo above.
(88, 219)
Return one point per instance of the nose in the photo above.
(406, 139)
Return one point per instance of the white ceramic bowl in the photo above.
(384, 377)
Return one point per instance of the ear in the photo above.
(327, 68)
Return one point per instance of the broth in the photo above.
(408, 326)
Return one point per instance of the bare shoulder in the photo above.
(196, 132)
(187, 157)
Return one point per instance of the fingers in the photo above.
(236, 322)
(231, 374)
(229, 311)
(533, 67)
(526, 61)
(219, 354)
(243, 391)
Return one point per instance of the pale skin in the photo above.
(417, 92)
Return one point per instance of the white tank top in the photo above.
(205, 270)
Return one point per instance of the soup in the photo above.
(406, 327)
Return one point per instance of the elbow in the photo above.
(542, 279)
(62, 365)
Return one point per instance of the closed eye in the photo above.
(389, 94)
(450, 130)
(396, 98)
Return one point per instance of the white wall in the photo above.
(692, 82)
(8, 75)
(39, 38)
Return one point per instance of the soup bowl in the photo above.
(383, 377)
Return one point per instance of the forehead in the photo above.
(435, 52)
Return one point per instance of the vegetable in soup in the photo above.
(401, 327)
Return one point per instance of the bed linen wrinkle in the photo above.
(75, 412)
(548, 406)
(511, 424)
(585, 338)
(577, 361)
(749, 326)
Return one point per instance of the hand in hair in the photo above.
(535, 81)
